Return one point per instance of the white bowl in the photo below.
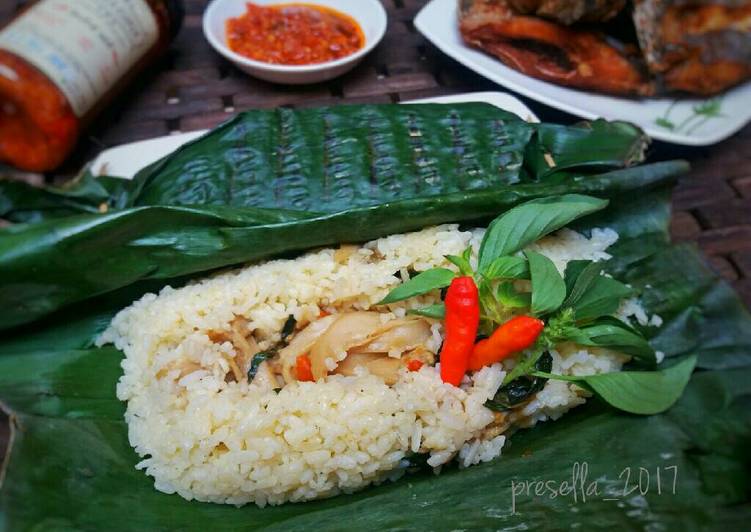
(368, 13)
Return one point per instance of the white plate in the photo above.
(437, 21)
(126, 160)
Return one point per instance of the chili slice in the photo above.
(414, 365)
(303, 368)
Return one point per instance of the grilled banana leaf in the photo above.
(277, 181)
(45, 266)
(337, 158)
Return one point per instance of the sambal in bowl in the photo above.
(294, 42)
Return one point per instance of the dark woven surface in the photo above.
(193, 88)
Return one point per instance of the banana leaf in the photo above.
(70, 466)
(70, 454)
(337, 158)
(50, 264)
(270, 182)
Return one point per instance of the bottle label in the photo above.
(83, 46)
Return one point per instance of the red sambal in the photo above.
(294, 34)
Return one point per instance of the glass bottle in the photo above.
(62, 61)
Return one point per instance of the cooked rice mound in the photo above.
(226, 441)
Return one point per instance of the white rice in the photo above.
(236, 443)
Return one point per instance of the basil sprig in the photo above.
(530, 221)
(578, 307)
(507, 267)
(506, 235)
(509, 297)
(637, 392)
(437, 311)
(591, 294)
(548, 288)
(614, 334)
(520, 390)
(421, 283)
(462, 261)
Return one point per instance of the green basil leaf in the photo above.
(256, 361)
(548, 287)
(574, 268)
(520, 390)
(577, 286)
(590, 293)
(570, 333)
(530, 221)
(618, 336)
(460, 262)
(437, 311)
(637, 392)
(489, 307)
(289, 327)
(421, 283)
(509, 267)
(525, 364)
(602, 298)
(509, 297)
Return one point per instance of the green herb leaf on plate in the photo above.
(508, 267)
(525, 365)
(462, 261)
(522, 388)
(548, 287)
(579, 277)
(491, 311)
(561, 327)
(530, 221)
(421, 283)
(256, 362)
(436, 311)
(510, 297)
(616, 335)
(289, 327)
(602, 298)
(637, 392)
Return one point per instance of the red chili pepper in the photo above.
(414, 365)
(303, 368)
(462, 319)
(515, 335)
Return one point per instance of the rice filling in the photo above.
(217, 413)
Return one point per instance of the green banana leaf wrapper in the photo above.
(70, 268)
(271, 182)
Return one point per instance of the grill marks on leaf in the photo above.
(335, 158)
(291, 184)
(466, 158)
(196, 180)
(423, 162)
(338, 163)
(350, 159)
(508, 154)
(249, 163)
(384, 163)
